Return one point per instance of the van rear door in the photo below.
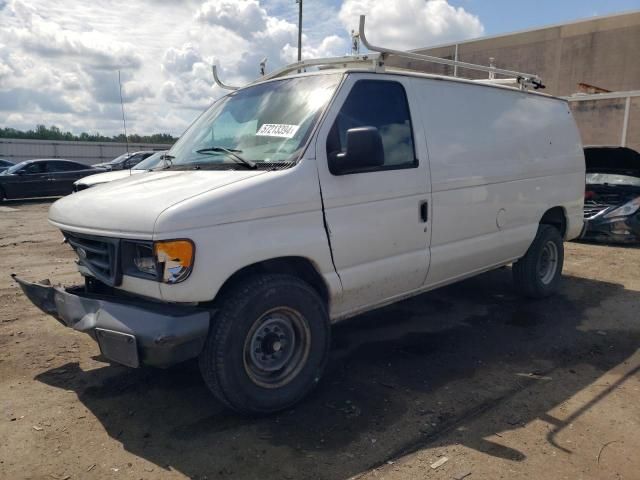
(378, 217)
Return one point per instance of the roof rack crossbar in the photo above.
(316, 62)
(497, 81)
(523, 78)
(214, 70)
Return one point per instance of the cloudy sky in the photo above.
(59, 59)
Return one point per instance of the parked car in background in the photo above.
(4, 164)
(42, 178)
(612, 194)
(125, 161)
(153, 161)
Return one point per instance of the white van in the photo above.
(307, 198)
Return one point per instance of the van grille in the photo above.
(99, 255)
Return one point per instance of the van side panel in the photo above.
(499, 159)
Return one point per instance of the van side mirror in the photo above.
(364, 152)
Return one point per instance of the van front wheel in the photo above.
(537, 274)
(267, 345)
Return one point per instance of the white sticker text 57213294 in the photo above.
(277, 130)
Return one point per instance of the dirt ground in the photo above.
(499, 386)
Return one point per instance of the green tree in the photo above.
(42, 132)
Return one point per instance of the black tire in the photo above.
(3, 197)
(273, 315)
(538, 273)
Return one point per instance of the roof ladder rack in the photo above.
(524, 79)
(380, 55)
(214, 70)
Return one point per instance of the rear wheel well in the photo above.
(299, 267)
(556, 217)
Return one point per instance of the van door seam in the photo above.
(328, 232)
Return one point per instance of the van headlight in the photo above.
(625, 210)
(168, 261)
(174, 259)
(143, 259)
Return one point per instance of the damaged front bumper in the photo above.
(131, 332)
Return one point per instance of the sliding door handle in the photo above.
(424, 211)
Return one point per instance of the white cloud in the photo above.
(180, 60)
(40, 35)
(5, 69)
(407, 24)
(59, 60)
(332, 45)
(236, 15)
(236, 35)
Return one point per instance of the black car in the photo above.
(5, 164)
(42, 178)
(612, 194)
(126, 160)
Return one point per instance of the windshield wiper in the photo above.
(168, 162)
(232, 152)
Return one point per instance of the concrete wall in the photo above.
(604, 52)
(601, 121)
(18, 150)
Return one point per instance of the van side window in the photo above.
(381, 104)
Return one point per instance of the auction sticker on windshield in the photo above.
(277, 130)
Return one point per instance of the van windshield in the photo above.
(266, 125)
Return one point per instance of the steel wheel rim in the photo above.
(276, 347)
(548, 263)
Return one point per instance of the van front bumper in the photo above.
(131, 332)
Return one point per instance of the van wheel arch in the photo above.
(556, 217)
(300, 267)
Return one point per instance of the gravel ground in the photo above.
(498, 386)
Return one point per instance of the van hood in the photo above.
(129, 207)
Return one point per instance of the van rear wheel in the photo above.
(267, 345)
(538, 273)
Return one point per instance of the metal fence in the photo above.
(18, 150)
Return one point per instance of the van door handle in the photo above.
(424, 211)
